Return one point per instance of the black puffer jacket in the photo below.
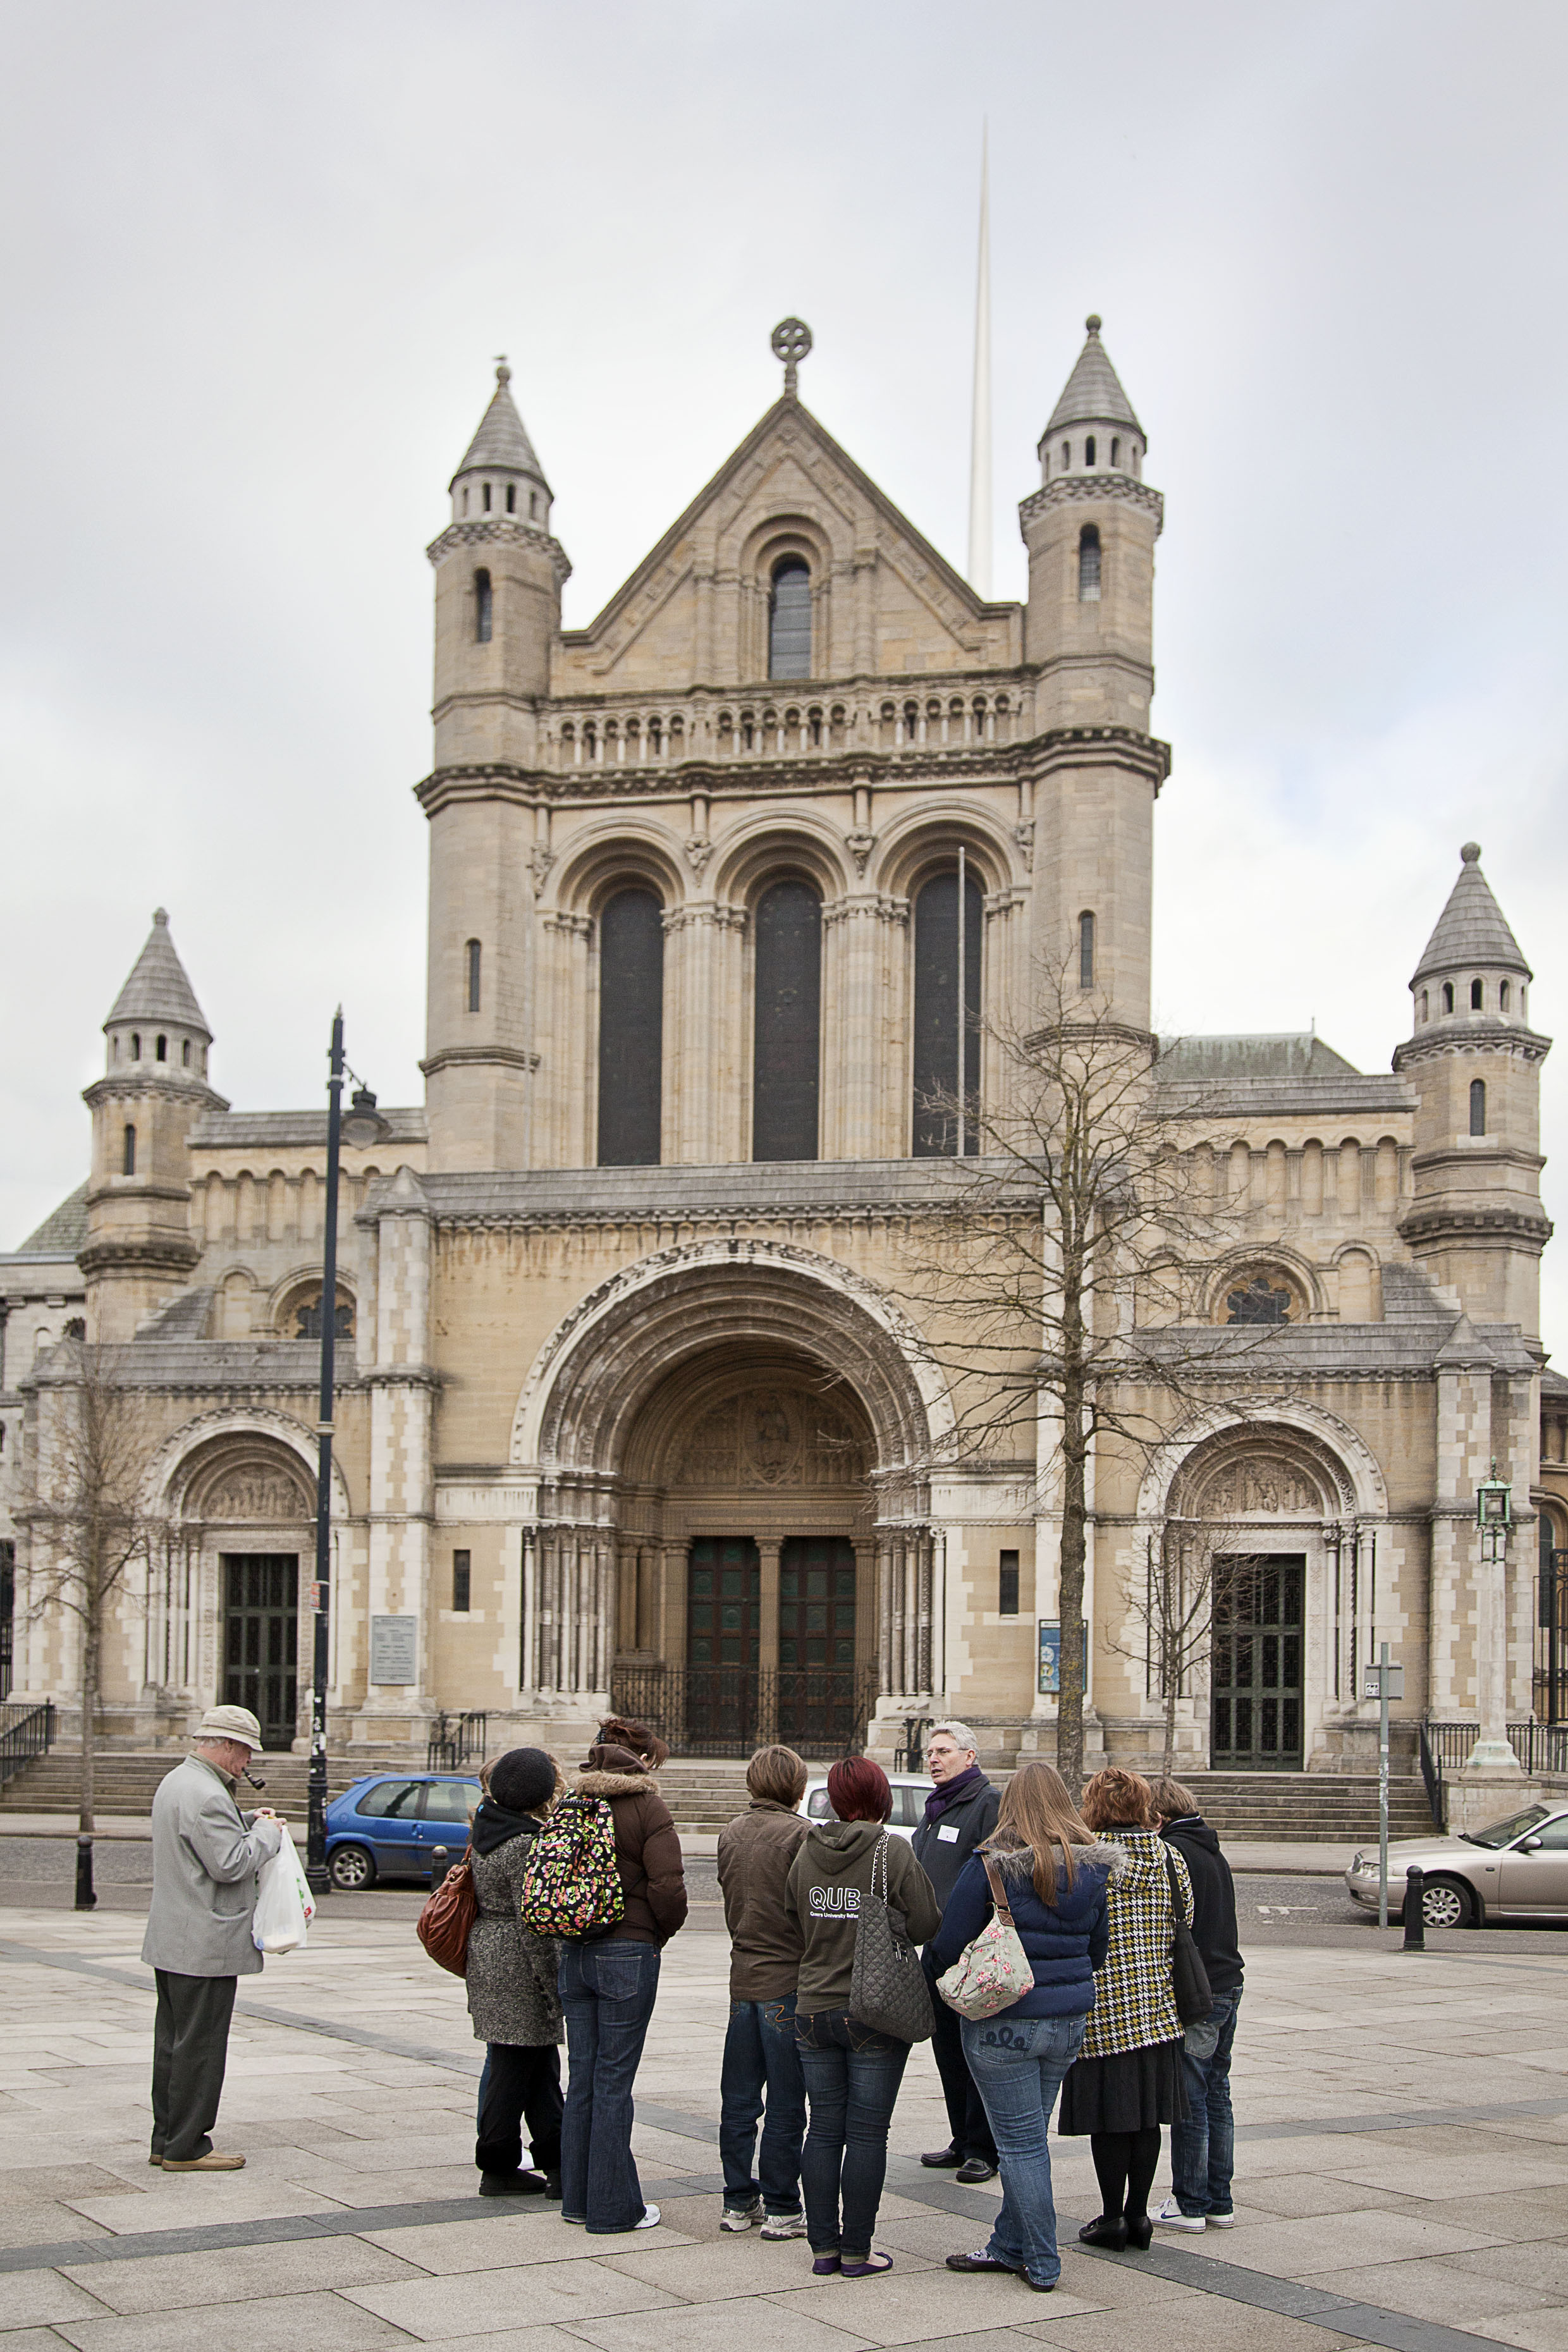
(1214, 1900)
(944, 1846)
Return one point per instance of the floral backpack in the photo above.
(571, 1889)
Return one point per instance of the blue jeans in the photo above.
(759, 2055)
(1018, 2063)
(607, 1994)
(1203, 2149)
(852, 2078)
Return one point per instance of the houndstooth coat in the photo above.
(1134, 2001)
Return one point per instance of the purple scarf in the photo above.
(953, 1792)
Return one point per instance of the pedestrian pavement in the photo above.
(1401, 2173)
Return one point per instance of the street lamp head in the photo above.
(362, 1122)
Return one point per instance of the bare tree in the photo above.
(1065, 1271)
(1186, 1581)
(89, 1528)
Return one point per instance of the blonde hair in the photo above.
(1172, 1800)
(1038, 1808)
(1119, 1799)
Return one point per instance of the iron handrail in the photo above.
(26, 1732)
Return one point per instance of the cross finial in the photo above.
(504, 373)
(791, 342)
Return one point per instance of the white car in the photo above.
(910, 1789)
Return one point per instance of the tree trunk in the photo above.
(88, 1726)
(1069, 1594)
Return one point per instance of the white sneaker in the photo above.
(740, 2217)
(1171, 2217)
(650, 2218)
(785, 2225)
(1222, 2221)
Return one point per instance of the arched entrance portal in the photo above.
(749, 1611)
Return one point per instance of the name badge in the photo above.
(947, 1837)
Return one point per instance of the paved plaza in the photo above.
(1402, 2171)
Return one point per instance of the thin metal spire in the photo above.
(980, 438)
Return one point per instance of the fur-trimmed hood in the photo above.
(1015, 1860)
(603, 1783)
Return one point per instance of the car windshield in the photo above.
(1504, 1833)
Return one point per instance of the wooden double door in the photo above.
(261, 1638)
(810, 1695)
(1256, 1665)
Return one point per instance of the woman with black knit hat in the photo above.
(512, 1997)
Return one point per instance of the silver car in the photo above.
(910, 1789)
(1517, 1869)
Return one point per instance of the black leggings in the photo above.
(1125, 2164)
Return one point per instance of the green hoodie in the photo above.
(826, 1879)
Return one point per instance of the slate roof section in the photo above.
(158, 989)
(502, 444)
(1470, 930)
(1290, 1054)
(743, 1190)
(253, 1130)
(1092, 394)
(63, 1231)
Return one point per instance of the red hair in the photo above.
(857, 1791)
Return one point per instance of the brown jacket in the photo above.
(756, 1850)
(647, 1851)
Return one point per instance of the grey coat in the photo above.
(206, 1855)
(511, 1974)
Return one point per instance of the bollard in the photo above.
(1414, 1915)
(86, 1899)
(440, 1864)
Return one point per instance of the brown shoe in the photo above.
(211, 2162)
(155, 2160)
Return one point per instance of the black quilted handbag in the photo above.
(1189, 1978)
(887, 1990)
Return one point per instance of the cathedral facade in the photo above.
(732, 894)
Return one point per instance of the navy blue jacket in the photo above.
(1065, 1941)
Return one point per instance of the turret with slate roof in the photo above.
(501, 475)
(156, 1018)
(1475, 1221)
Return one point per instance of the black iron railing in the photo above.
(1446, 1748)
(730, 1710)
(24, 1732)
(911, 1755)
(457, 1741)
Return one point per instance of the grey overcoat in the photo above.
(205, 1856)
(512, 1973)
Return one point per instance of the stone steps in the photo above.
(125, 1783)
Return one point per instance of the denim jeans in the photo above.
(969, 2128)
(607, 1994)
(518, 2086)
(852, 2078)
(759, 2055)
(1018, 2063)
(1202, 2148)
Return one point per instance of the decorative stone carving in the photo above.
(1261, 1485)
(1023, 834)
(698, 850)
(860, 846)
(540, 861)
(771, 1437)
(259, 1492)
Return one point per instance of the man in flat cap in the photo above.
(206, 1855)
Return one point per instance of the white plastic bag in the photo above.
(285, 1905)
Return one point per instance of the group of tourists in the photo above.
(1086, 1951)
(1097, 1892)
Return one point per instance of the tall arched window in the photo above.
(161, 1051)
(937, 1014)
(484, 608)
(1088, 565)
(136, 1044)
(511, 497)
(473, 951)
(1478, 1106)
(1088, 456)
(128, 1152)
(1447, 996)
(1086, 950)
(1477, 996)
(631, 1029)
(787, 1047)
(789, 620)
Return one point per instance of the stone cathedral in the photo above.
(633, 1401)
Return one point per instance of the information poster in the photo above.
(1049, 1680)
(395, 1649)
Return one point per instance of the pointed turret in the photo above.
(1089, 628)
(155, 1017)
(501, 475)
(1475, 1219)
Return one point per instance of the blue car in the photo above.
(388, 1823)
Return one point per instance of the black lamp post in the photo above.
(361, 1124)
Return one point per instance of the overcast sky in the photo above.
(257, 261)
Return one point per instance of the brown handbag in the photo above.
(447, 1918)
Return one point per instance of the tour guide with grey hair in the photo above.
(206, 1855)
(961, 1811)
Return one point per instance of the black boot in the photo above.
(1109, 2230)
(513, 2184)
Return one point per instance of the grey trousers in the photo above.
(190, 2050)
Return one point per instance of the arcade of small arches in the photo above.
(781, 730)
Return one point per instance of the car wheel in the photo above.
(352, 1868)
(1447, 1903)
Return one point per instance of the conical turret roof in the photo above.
(1093, 394)
(158, 989)
(1470, 929)
(502, 441)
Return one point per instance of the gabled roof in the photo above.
(502, 442)
(789, 410)
(158, 989)
(1470, 929)
(1292, 1054)
(63, 1231)
(1093, 394)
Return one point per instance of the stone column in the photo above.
(768, 1548)
(401, 1500)
(855, 1074)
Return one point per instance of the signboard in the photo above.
(1372, 1687)
(1049, 1680)
(395, 1649)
